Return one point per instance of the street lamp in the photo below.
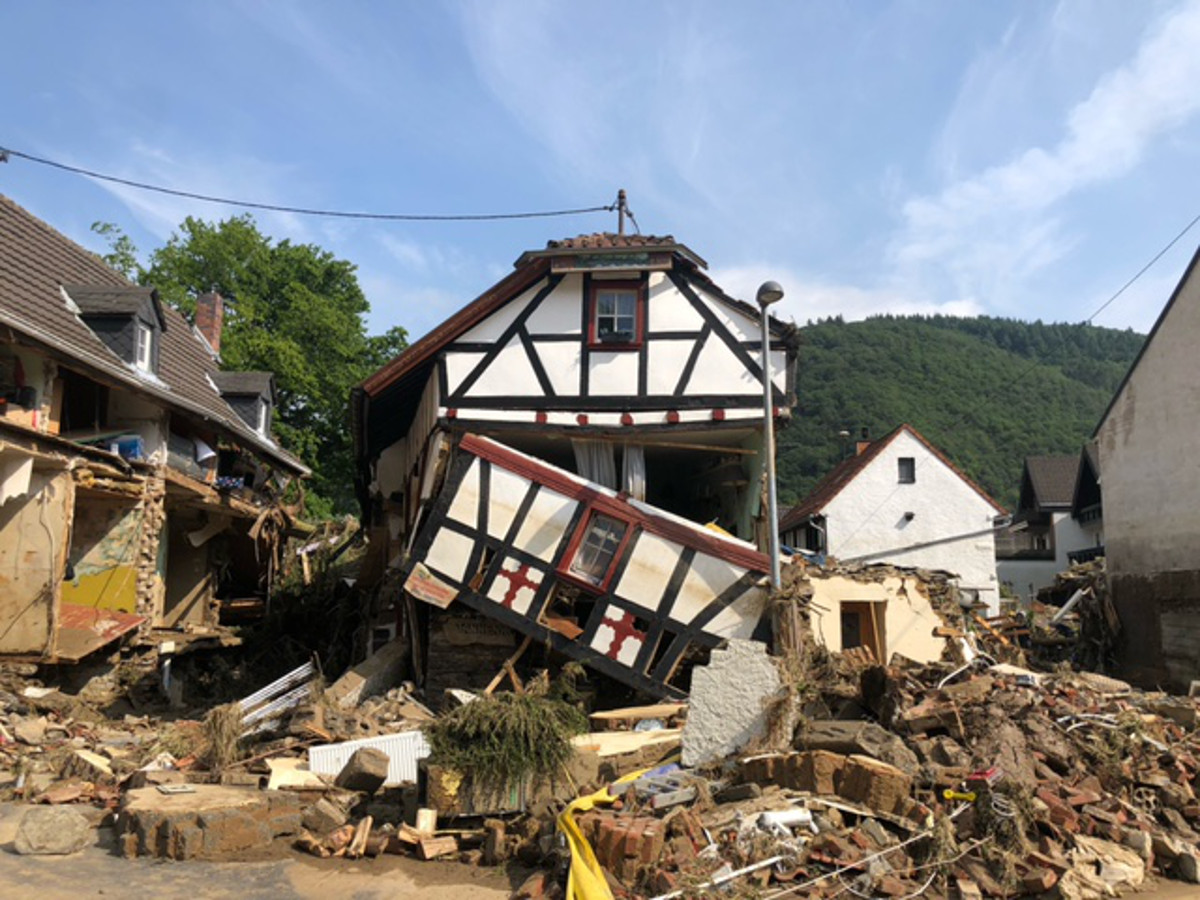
(770, 292)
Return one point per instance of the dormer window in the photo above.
(249, 394)
(617, 315)
(126, 318)
(143, 354)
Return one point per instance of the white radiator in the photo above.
(404, 749)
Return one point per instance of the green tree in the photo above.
(292, 309)
(122, 254)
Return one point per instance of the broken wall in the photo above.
(189, 595)
(903, 610)
(33, 548)
(103, 558)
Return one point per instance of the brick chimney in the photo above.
(863, 443)
(210, 313)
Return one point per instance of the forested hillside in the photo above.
(988, 392)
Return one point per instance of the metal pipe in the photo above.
(770, 292)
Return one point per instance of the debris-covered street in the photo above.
(804, 773)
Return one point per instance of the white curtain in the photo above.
(595, 461)
(633, 476)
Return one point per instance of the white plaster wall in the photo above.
(1148, 452)
(951, 527)
(908, 617)
(558, 313)
(1028, 576)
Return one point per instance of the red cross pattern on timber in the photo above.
(623, 630)
(518, 577)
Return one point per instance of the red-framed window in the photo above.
(616, 315)
(595, 548)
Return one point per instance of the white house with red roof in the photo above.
(900, 500)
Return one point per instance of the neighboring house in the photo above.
(132, 496)
(900, 500)
(1043, 535)
(608, 358)
(1087, 505)
(1147, 440)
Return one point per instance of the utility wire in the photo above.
(300, 210)
(1142, 271)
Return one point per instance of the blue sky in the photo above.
(1013, 158)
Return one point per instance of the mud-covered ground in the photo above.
(98, 871)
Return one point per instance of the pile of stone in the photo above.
(935, 781)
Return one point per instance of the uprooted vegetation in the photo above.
(503, 739)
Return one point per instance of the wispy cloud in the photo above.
(989, 231)
(239, 178)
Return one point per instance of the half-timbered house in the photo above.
(613, 359)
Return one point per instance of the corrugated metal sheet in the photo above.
(404, 750)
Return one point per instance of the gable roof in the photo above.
(848, 469)
(36, 262)
(1051, 481)
(1192, 268)
(108, 300)
(403, 378)
(245, 383)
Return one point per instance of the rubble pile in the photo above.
(980, 780)
(812, 773)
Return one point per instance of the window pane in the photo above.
(908, 470)
(616, 314)
(595, 553)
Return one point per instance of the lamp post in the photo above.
(770, 292)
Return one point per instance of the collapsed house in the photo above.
(133, 496)
(622, 393)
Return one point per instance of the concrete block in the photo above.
(726, 711)
(875, 784)
(323, 817)
(860, 737)
(372, 676)
(366, 771)
(212, 821)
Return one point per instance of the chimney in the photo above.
(863, 443)
(210, 313)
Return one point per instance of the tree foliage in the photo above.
(986, 391)
(292, 309)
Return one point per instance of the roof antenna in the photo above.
(621, 211)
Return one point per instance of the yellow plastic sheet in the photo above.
(585, 878)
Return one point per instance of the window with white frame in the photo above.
(616, 316)
(596, 551)
(143, 346)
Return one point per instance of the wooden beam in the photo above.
(507, 669)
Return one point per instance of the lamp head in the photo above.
(769, 292)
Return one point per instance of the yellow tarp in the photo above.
(585, 878)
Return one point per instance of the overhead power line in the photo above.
(301, 210)
(1144, 269)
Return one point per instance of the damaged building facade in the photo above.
(550, 455)
(1147, 459)
(133, 496)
